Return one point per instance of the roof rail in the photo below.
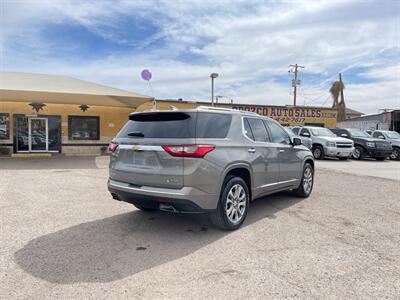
(225, 109)
(215, 108)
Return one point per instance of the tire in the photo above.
(318, 152)
(229, 202)
(380, 158)
(343, 158)
(142, 208)
(395, 155)
(307, 182)
(358, 153)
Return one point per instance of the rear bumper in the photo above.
(185, 200)
(338, 152)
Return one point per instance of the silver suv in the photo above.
(326, 143)
(206, 160)
(393, 137)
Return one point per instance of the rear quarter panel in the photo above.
(209, 173)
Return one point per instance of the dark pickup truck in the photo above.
(364, 144)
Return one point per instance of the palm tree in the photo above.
(336, 90)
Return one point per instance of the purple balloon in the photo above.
(146, 75)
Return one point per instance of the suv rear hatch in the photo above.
(140, 158)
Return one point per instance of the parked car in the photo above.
(206, 160)
(393, 137)
(326, 143)
(364, 144)
(306, 141)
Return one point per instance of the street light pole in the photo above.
(213, 76)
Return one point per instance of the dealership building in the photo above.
(59, 114)
(387, 120)
(285, 115)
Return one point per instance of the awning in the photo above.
(18, 87)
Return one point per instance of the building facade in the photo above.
(285, 115)
(351, 113)
(383, 121)
(58, 114)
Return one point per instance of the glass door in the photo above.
(38, 135)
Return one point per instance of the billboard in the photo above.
(290, 115)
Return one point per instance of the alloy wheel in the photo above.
(395, 154)
(356, 153)
(236, 203)
(308, 180)
(317, 153)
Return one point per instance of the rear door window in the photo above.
(258, 130)
(247, 129)
(160, 125)
(212, 125)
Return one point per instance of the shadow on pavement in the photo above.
(114, 248)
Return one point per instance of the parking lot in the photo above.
(62, 236)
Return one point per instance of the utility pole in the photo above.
(295, 81)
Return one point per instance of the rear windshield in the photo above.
(176, 125)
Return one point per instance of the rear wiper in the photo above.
(136, 133)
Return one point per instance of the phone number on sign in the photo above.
(289, 119)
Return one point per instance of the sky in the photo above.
(249, 43)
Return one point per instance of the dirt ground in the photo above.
(63, 237)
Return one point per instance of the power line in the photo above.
(312, 100)
(327, 99)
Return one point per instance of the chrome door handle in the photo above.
(251, 150)
(281, 150)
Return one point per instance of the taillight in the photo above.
(189, 150)
(112, 148)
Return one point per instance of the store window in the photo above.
(83, 128)
(4, 126)
(54, 129)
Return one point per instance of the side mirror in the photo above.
(297, 141)
(381, 137)
(344, 135)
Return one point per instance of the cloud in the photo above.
(249, 43)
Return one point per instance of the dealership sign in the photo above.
(285, 114)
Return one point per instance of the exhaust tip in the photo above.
(167, 207)
(115, 196)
